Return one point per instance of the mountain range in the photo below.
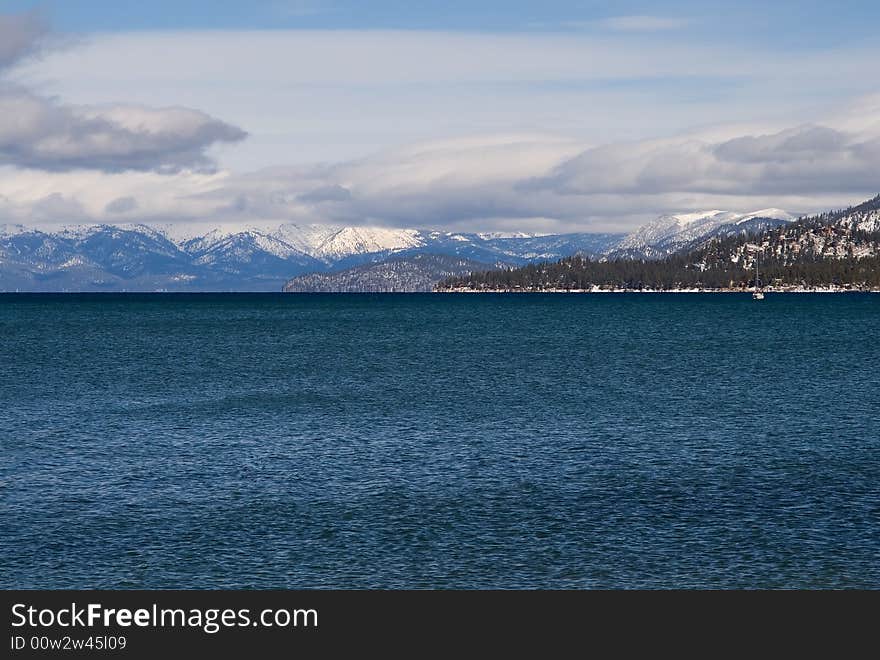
(151, 258)
(838, 250)
(265, 257)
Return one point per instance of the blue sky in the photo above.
(787, 23)
(514, 115)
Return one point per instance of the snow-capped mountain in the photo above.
(197, 257)
(249, 255)
(326, 243)
(365, 240)
(263, 257)
(673, 233)
(305, 238)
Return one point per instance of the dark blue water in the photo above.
(440, 441)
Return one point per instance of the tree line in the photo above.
(674, 272)
(817, 251)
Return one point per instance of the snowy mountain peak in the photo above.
(274, 246)
(490, 235)
(360, 240)
(689, 218)
(305, 238)
(671, 233)
(241, 243)
(773, 213)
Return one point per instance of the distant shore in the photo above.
(648, 290)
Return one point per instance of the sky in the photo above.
(513, 116)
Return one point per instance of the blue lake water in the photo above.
(477, 441)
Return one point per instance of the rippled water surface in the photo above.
(439, 441)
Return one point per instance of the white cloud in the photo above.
(806, 160)
(311, 95)
(566, 131)
(41, 132)
(508, 182)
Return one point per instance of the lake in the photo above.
(439, 441)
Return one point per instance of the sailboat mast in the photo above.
(759, 292)
(757, 258)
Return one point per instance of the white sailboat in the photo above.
(758, 293)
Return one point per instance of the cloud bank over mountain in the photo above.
(604, 138)
(517, 182)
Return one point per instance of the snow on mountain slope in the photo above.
(275, 246)
(864, 219)
(669, 226)
(690, 218)
(183, 232)
(326, 243)
(773, 214)
(670, 233)
(868, 222)
(491, 235)
(31, 247)
(306, 238)
(255, 241)
(362, 240)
